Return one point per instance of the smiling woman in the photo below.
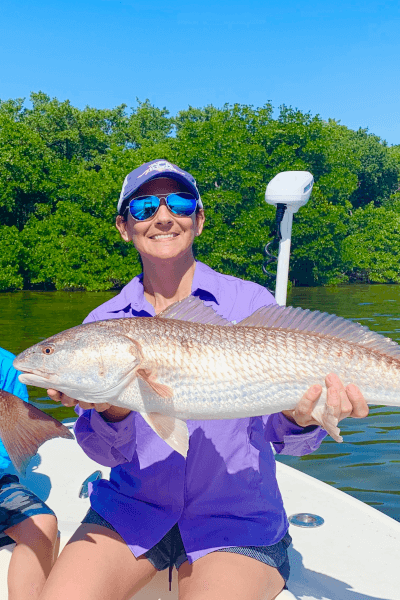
(165, 237)
(216, 515)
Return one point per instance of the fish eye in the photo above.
(47, 350)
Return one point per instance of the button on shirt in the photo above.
(225, 492)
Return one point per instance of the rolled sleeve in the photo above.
(289, 438)
(109, 444)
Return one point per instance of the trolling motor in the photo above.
(288, 191)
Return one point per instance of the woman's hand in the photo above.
(345, 401)
(68, 401)
(108, 412)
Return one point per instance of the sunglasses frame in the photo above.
(161, 197)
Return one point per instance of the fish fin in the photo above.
(325, 417)
(193, 310)
(23, 428)
(173, 431)
(323, 324)
(159, 388)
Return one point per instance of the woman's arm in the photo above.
(289, 438)
(107, 442)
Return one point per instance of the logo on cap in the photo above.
(160, 166)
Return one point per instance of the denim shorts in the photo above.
(17, 503)
(170, 550)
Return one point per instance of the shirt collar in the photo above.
(132, 295)
(206, 279)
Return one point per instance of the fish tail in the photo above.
(24, 428)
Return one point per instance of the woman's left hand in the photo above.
(346, 402)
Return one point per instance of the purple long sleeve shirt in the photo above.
(225, 492)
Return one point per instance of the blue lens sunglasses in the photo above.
(181, 204)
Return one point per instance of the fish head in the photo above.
(92, 362)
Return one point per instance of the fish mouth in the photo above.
(36, 377)
(35, 372)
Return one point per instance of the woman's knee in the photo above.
(37, 530)
(103, 566)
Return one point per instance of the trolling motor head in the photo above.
(292, 188)
(288, 190)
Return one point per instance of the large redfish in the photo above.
(23, 428)
(190, 363)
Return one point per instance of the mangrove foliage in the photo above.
(62, 168)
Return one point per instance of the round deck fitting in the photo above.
(306, 520)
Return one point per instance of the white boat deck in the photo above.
(354, 555)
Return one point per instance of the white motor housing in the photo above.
(292, 188)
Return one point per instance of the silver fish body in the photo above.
(190, 370)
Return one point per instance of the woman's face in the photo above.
(165, 236)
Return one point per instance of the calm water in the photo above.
(366, 465)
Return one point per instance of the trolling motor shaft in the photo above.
(288, 191)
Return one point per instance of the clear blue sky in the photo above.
(339, 59)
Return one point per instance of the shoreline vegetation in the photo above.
(61, 171)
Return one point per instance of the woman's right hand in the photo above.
(109, 412)
(68, 401)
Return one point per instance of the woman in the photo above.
(218, 515)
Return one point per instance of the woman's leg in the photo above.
(96, 563)
(33, 556)
(228, 576)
